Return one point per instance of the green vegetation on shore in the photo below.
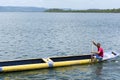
(85, 11)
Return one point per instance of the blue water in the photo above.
(38, 35)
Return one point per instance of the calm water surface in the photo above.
(39, 35)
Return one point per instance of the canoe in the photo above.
(32, 64)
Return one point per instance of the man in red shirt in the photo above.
(99, 54)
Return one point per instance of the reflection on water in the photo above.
(95, 71)
(99, 68)
(60, 73)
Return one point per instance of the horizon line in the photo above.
(58, 8)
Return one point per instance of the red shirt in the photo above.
(101, 51)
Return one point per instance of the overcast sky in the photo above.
(73, 4)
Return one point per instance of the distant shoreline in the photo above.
(40, 9)
(21, 9)
(85, 11)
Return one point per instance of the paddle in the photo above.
(92, 59)
(92, 47)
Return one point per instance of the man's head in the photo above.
(98, 45)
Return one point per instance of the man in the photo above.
(99, 54)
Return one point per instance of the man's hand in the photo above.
(93, 42)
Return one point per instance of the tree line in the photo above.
(85, 11)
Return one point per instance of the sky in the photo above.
(72, 4)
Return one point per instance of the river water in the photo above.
(38, 35)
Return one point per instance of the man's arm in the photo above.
(96, 52)
(94, 43)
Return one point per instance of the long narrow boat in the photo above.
(31, 64)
